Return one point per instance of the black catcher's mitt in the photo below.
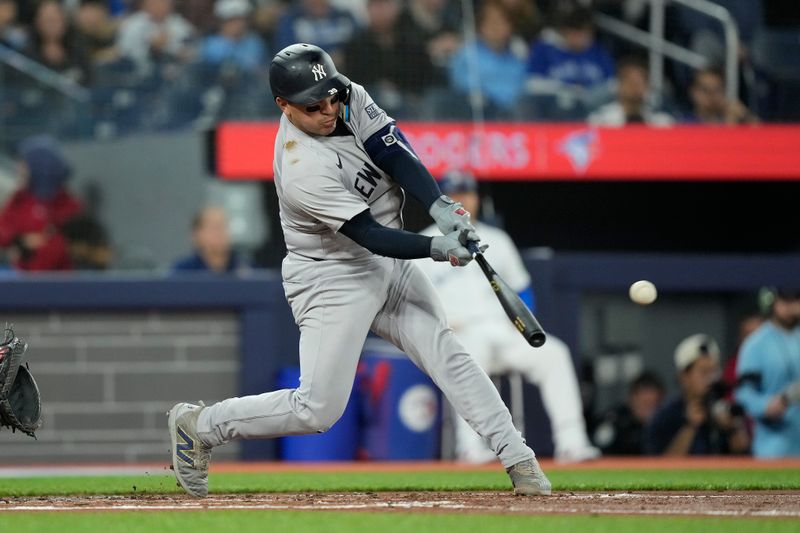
(20, 403)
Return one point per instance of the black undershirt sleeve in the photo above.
(412, 176)
(393, 154)
(366, 231)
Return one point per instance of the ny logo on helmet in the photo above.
(319, 72)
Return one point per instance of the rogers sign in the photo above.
(487, 151)
(516, 151)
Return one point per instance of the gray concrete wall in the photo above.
(108, 378)
(150, 188)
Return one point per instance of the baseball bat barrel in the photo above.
(515, 308)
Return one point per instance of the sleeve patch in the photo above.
(373, 111)
(389, 139)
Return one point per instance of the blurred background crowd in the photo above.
(101, 102)
(132, 65)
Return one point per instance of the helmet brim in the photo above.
(335, 84)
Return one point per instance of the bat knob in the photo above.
(537, 339)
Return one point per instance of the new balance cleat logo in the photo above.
(186, 446)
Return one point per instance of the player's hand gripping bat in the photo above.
(517, 311)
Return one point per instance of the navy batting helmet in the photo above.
(305, 74)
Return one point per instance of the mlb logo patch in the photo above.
(373, 111)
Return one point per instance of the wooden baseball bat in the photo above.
(515, 308)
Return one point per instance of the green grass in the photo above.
(291, 521)
(163, 482)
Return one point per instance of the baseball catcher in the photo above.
(20, 403)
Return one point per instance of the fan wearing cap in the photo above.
(32, 219)
(768, 376)
(696, 421)
(481, 324)
(234, 44)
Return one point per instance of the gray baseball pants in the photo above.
(335, 304)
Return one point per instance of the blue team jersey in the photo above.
(195, 263)
(588, 68)
(769, 362)
(501, 75)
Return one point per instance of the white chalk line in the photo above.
(441, 504)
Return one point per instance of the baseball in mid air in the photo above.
(643, 292)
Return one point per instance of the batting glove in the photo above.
(451, 216)
(448, 248)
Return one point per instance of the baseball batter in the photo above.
(342, 168)
(490, 338)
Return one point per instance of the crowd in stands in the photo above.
(162, 64)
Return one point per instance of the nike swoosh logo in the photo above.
(339, 164)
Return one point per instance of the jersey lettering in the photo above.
(367, 180)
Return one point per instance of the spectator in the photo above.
(212, 245)
(525, 17)
(388, 63)
(570, 58)
(87, 243)
(32, 219)
(709, 104)
(199, 14)
(631, 105)
(97, 31)
(316, 22)
(482, 326)
(436, 24)
(266, 16)
(53, 43)
(155, 33)
(697, 421)
(769, 377)
(234, 44)
(498, 72)
(12, 34)
(621, 430)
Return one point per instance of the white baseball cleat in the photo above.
(529, 479)
(190, 456)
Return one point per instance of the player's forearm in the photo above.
(751, 398)
(388, 242)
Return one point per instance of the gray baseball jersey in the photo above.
(339, 291)
(323, 182)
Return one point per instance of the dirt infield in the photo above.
(762, 504)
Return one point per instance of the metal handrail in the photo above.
(634, 34)
(44, 75)
(731, 30)
(659, 47)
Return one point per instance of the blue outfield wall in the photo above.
(270, 337)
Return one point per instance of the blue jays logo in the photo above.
(580, 147)
(186, 446)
